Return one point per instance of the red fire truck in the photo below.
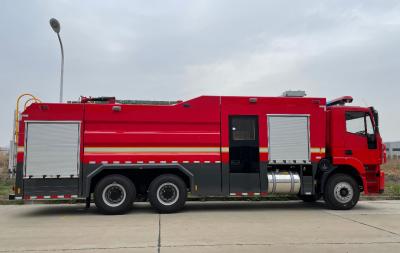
(161, 151)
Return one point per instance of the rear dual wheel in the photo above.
(167, 193)
(114, 194)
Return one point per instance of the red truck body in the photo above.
(217, 145)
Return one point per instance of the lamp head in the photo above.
(55, 25)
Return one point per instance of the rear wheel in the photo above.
(114, 194)
(341, 192)
(167, 193)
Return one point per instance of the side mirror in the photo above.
(371, 139)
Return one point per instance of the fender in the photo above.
(102, 167)
(355, 163)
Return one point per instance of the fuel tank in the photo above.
(284, 182)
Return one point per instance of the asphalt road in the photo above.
(203, 227)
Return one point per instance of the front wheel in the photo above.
(114, 194)
(167, 193)
(341, 192)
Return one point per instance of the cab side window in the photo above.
(359, 123)
(355, 123)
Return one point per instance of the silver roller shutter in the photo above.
(52, 149)
(288, 139)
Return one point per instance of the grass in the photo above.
(5, 188)
(392, 178)
(5, 183)
(393, 189)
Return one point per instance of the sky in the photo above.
(177, 50)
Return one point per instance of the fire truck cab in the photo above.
(119, 151)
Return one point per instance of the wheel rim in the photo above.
(168, 194)
(343, 192)
(114, 194)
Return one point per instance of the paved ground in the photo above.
(203, 227)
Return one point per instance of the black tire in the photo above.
(114, 194)
(310, 198)
(341, 192)
(167, 193)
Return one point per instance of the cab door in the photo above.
(244, 156)
(360, 137)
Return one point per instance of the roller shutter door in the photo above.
(52, 149)
(288, 139)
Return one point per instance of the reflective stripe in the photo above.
(48, 176)
(225, 149)
(247, 194)
(318, 150)
(137, 162)
(315, 150)
(169, 149)
(66, 196)
(151, 149)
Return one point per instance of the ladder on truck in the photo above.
(13, 151)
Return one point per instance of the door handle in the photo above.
(348, 152)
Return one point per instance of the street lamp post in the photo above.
(55, 25)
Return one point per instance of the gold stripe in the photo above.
(225, 149)
(264, 150)
(315, 150)
(318, 150)
(151, 149)
(21, 149)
